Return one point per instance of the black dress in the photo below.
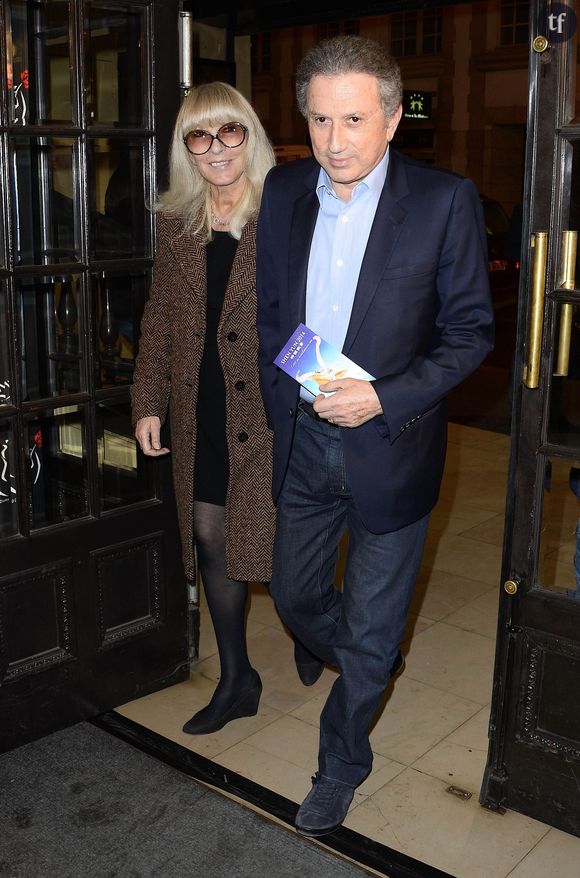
(211, 457)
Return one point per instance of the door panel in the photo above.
(534, 752)
(93, 602)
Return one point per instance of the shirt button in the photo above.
(344, 218)
(243, 437)
(232, 336)
(335, 308)
(340, 263)
(239, 385)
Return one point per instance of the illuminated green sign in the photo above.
(417, 104)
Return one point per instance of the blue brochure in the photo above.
(313, 362)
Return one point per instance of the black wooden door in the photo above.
(92, 595)
(534, 754)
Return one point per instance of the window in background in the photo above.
(514, 18)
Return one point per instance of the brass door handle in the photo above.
(567, 282)
(540, 247)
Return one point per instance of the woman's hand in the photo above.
(148, 435)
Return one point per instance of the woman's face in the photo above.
(222, 165)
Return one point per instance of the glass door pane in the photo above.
(45, 199)
(117, 179)
(116, 65)
(119, 302)
(57, 472)
(559, 554)
(8, 511)
(39, 62)
(5, 388)
(51, 338)
(564, 406)
(125, 476)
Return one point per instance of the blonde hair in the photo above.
(188, 196)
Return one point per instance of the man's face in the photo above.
(348, 128)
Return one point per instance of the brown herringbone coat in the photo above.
(167, 376)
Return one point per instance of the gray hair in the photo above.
(188, 197)
(351, 54)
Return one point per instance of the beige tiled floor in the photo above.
(433, 731)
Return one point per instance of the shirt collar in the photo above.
(373, 181)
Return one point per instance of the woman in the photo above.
(198, 357)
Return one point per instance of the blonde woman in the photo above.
(198, 360)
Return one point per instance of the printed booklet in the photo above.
(313, 362)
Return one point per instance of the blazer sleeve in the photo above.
(152, 376)
(464, 331)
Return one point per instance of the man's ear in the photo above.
(394, 121)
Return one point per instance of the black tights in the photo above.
(226, 600)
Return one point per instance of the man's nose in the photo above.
(336, 139)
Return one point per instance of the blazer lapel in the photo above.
(301, 232)
(383, 237)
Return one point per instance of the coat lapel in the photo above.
(190, 257)
(242, 278)
(383, 237)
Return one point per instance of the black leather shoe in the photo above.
(398, 665)
(212, 719)
(310, 670)
(324, 808)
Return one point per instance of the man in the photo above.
(384, 258)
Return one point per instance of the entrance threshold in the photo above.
(358, 848)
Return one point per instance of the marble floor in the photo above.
(433, 731)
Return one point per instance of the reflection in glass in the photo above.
(8, 512)
(559, 552)
(50, 332)
(119, 301)
(564, 412)
(125, 477)
(571, 193)
(44, 206)
(5, 394)
(119, 220)
(38, 62)
(57, 479)
(115, 64)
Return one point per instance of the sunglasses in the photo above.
(231, 134)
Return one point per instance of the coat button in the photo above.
(239, 385)
(291, 412)
(243, 437)
(232, 336)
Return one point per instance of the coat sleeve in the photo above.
(152, 377)
(268, 292)
(464, 330)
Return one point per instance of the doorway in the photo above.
(534, 753)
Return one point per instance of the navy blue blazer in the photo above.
(421, 322)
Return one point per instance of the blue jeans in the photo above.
(359, 629)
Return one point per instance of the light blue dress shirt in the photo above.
(338, 246)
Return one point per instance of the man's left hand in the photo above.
(353, 402)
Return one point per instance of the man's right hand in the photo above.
(148, 435)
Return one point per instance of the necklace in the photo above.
(216, 221)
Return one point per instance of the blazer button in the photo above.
(232, 336)
(239, 385)
(243, 437)
(291, 412)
